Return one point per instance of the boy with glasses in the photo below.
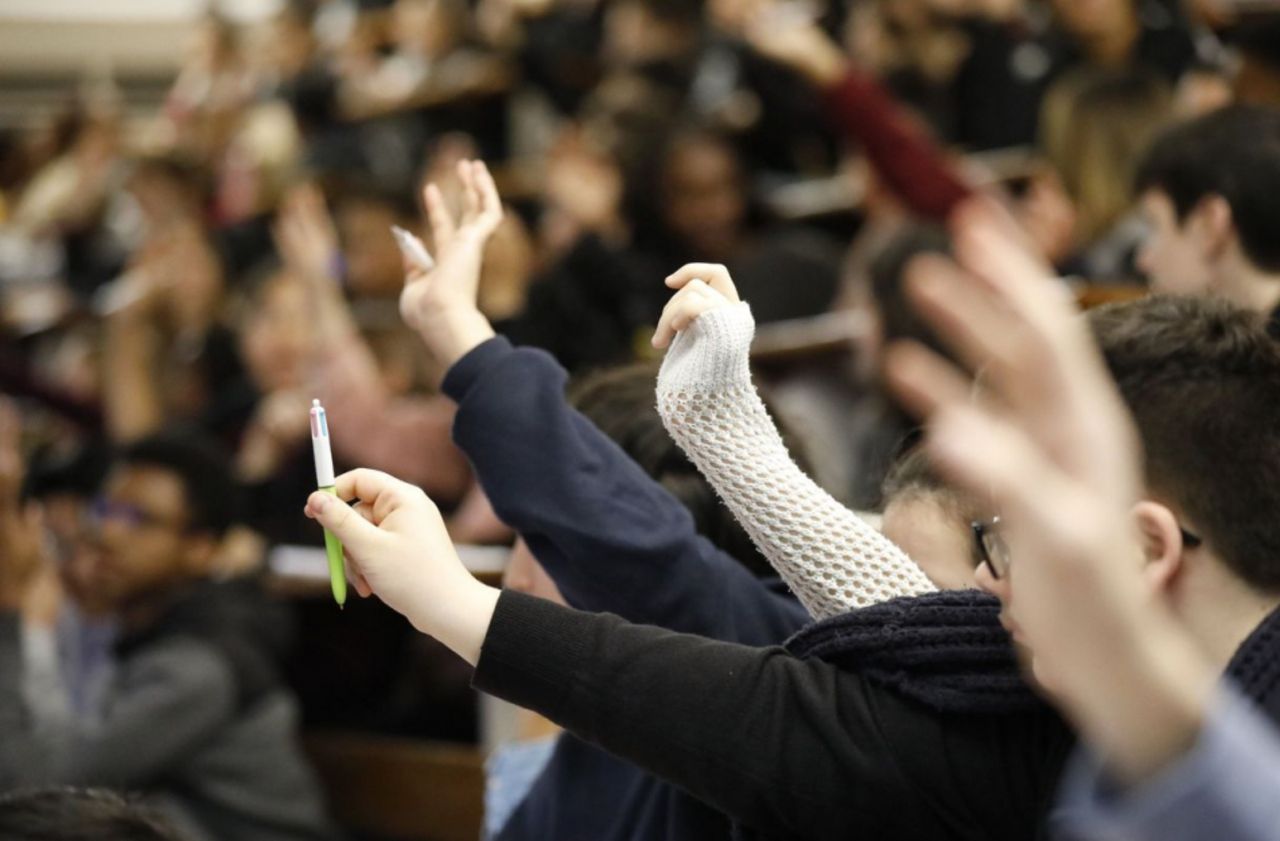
(195, 714)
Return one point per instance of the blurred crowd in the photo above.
(176, 288)
(166, 269)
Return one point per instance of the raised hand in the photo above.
(398, 549)
(308, 243)
(305, 236)
(1050, 444)
(440, 303)
(785, 32)
(701, 287)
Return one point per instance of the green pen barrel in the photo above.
(333, 549)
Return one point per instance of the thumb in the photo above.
(357, 534)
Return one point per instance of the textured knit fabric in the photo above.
(1255, 667)
(827, 554)
(946, 650)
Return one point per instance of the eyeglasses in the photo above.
(103, 509)
(990, 546)
(994, 552)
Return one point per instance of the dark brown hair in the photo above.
(1202, 378)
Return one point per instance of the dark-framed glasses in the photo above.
(994, 552)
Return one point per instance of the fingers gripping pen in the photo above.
(325, 482)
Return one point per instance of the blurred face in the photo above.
(289, 46)
(704, 198)
(160, 199)
(143, 541)
(74, 546)
(374, 265)
(525, 575)
(1091, 17)
(276, 336)
(933, 537)
(1172, 256)
(424, 27)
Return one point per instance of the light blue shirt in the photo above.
(1227, 788)
(510, 774)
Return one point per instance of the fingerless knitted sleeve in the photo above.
(830, 557)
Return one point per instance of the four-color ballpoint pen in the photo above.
(325, 481)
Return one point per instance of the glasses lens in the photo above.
(995, 551)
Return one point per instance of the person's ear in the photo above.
(1162, 546)
(1212, 225)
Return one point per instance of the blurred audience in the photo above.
(216, 263)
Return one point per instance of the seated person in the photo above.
(195, 715)
(1208, 189)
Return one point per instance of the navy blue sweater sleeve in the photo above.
(610, 536)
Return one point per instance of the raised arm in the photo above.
(903, 153)
(830, 557)
(610, 536)
(794, 748)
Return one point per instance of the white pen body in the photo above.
(320, 446)
(413, 248)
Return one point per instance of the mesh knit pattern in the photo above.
(827, 555)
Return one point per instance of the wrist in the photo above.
(1152, 710)
(451, 336)
(823, 64)
(458, 615)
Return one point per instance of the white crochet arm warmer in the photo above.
(827, 555)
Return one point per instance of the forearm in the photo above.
(1142, 706)
(829, 556)
(749, 731)
(132, 394)
(899, 148)
(609, 535)
(1224, 785)
(23, 757)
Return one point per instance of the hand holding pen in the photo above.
(439, 297)
(326, 483)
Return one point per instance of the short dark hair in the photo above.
(203, 468)
(1202, 379)
(75, 814)
(888, 269)
(620, 401)
(1233, 153)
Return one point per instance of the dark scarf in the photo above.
(946, 650)
(1255, 668)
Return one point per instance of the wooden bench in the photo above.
(394, 789)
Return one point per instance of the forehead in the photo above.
(155, 488)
